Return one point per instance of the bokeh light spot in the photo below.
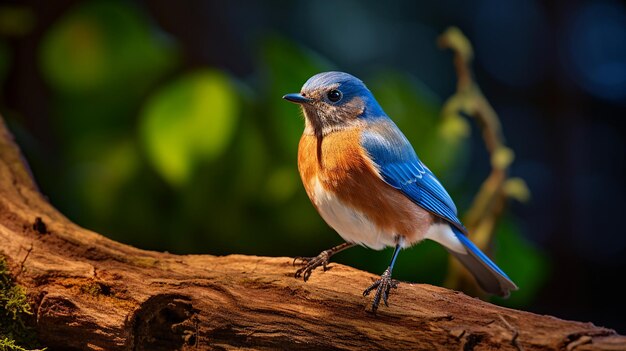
(595, 49)
(188, 122)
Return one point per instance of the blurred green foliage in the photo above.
(516, 256)
(108, 45)
(15, 20)
(188, 122)
(163, 157)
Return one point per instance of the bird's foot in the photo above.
(310, 263)
(383, 287)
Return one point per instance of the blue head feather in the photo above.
(350, 86)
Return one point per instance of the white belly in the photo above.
(352, 225)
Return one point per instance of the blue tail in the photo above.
(489, 276)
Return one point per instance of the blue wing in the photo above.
(401, 168)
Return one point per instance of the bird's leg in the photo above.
(310, 263)
(384, 284)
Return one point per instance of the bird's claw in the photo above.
(302, 259)
(310, 263)
(383, 287)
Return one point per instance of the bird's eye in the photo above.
(334, 95)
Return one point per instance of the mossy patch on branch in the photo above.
(15, 335)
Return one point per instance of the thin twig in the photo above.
(515, 333)
(24, 260)
(488, 204)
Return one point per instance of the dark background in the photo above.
(160, 124)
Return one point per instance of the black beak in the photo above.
(297, 98)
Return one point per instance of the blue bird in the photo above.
(366, 181)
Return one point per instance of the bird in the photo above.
(366, 181)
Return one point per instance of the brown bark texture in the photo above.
(91, 293)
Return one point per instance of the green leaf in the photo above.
(282, 183)
(16, 20)
(103, 167)
(188, 122)
(250, 161)
(100, 45)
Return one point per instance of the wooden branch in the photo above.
(91, 293)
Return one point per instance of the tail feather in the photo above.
(488, 275)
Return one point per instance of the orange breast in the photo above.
(341, 166)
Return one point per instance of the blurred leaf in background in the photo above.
(102, 45)
(15, 20)
(99, 181)
(100, 59)
(188, 122)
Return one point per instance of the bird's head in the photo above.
(333, 101)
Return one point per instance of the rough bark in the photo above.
(91, 293)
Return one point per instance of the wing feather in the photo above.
(400, 167)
